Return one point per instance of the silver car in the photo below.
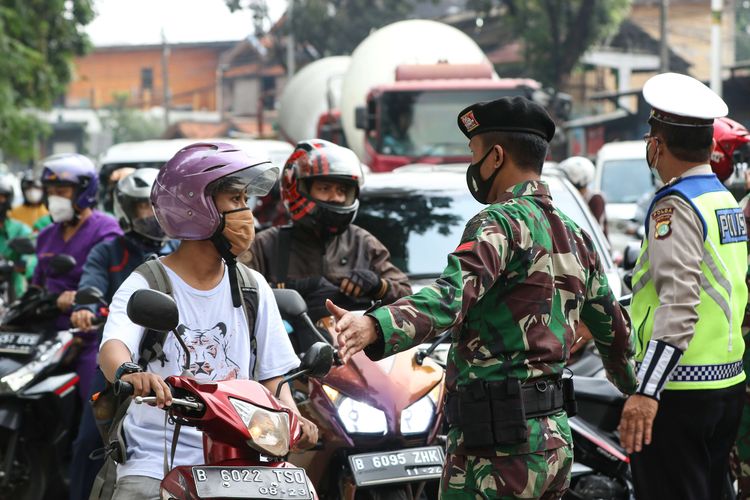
(419, 213)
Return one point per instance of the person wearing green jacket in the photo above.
(9, 230)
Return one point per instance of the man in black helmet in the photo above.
(322, 255)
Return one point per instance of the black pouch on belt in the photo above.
(569, 397)
(509, 416)
(475, 415)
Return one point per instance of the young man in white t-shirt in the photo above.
(200, 197)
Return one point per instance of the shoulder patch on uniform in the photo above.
(732, 227)
(469, 121)
(662, 218)
(662, 213)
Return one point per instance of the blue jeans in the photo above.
(83, 469)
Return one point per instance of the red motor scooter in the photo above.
(380, 422)
(247, 432)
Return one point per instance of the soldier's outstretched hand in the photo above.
(354, 332)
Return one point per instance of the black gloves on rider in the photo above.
(368, 282)
(315, 290)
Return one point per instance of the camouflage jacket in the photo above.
(522, 277)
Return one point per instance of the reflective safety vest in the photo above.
(713, 359)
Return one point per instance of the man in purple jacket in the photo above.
(70, 183)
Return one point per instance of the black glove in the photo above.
(315, 290)
(368, 282)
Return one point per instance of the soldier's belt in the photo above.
(495, 413)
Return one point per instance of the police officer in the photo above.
(689, 298)
(518, 284)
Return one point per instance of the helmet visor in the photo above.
(149, 227)
(255, 181)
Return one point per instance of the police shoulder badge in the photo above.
(662, 218)
(469, 122)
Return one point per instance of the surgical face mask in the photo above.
(239, 230)
(60, 208)
(653, 161)
(33, 195)
(478, 187)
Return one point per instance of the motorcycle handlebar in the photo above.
(123, 388)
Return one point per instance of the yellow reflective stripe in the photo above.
(641, 280)
(714, 294)
(722, 281)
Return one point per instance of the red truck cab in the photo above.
(413, 119)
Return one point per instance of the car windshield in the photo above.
(421, 228)
(414, 122)
(625, 181)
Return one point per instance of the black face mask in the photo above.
(479, 188)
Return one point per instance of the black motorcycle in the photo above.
(39, 402)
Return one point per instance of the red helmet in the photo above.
(319, 159)
(731, 147)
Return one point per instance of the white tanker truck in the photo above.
(400, 93)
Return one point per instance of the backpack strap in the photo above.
(152, 344)
(249, 288)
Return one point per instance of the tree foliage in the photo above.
(335, 27)
(38, 40)
(556, 33)
(127, 124)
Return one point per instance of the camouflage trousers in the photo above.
(544, 475)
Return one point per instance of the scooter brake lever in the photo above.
(337, 359)
(175, 401)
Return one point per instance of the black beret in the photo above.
(507, 114)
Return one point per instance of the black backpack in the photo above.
(110, 410)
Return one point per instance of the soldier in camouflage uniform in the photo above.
(516, 287)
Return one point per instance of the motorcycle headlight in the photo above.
(269, 430)
(357, 417)
(417, 417)
(48, 353)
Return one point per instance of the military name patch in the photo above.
(662, 222)
(470, 123)
(732, 228)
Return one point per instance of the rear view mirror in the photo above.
(290, 302)
(61, 264)
(364, 118)
(317, 360)
(153, 310)
(22, 246)
(360, 117)
(630, 255)
(90, 295)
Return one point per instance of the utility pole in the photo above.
(165, 77)
(663, 43)
(290, 67)
(716, 8)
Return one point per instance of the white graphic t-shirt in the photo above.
(217, 335)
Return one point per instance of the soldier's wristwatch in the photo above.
(127, 368)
